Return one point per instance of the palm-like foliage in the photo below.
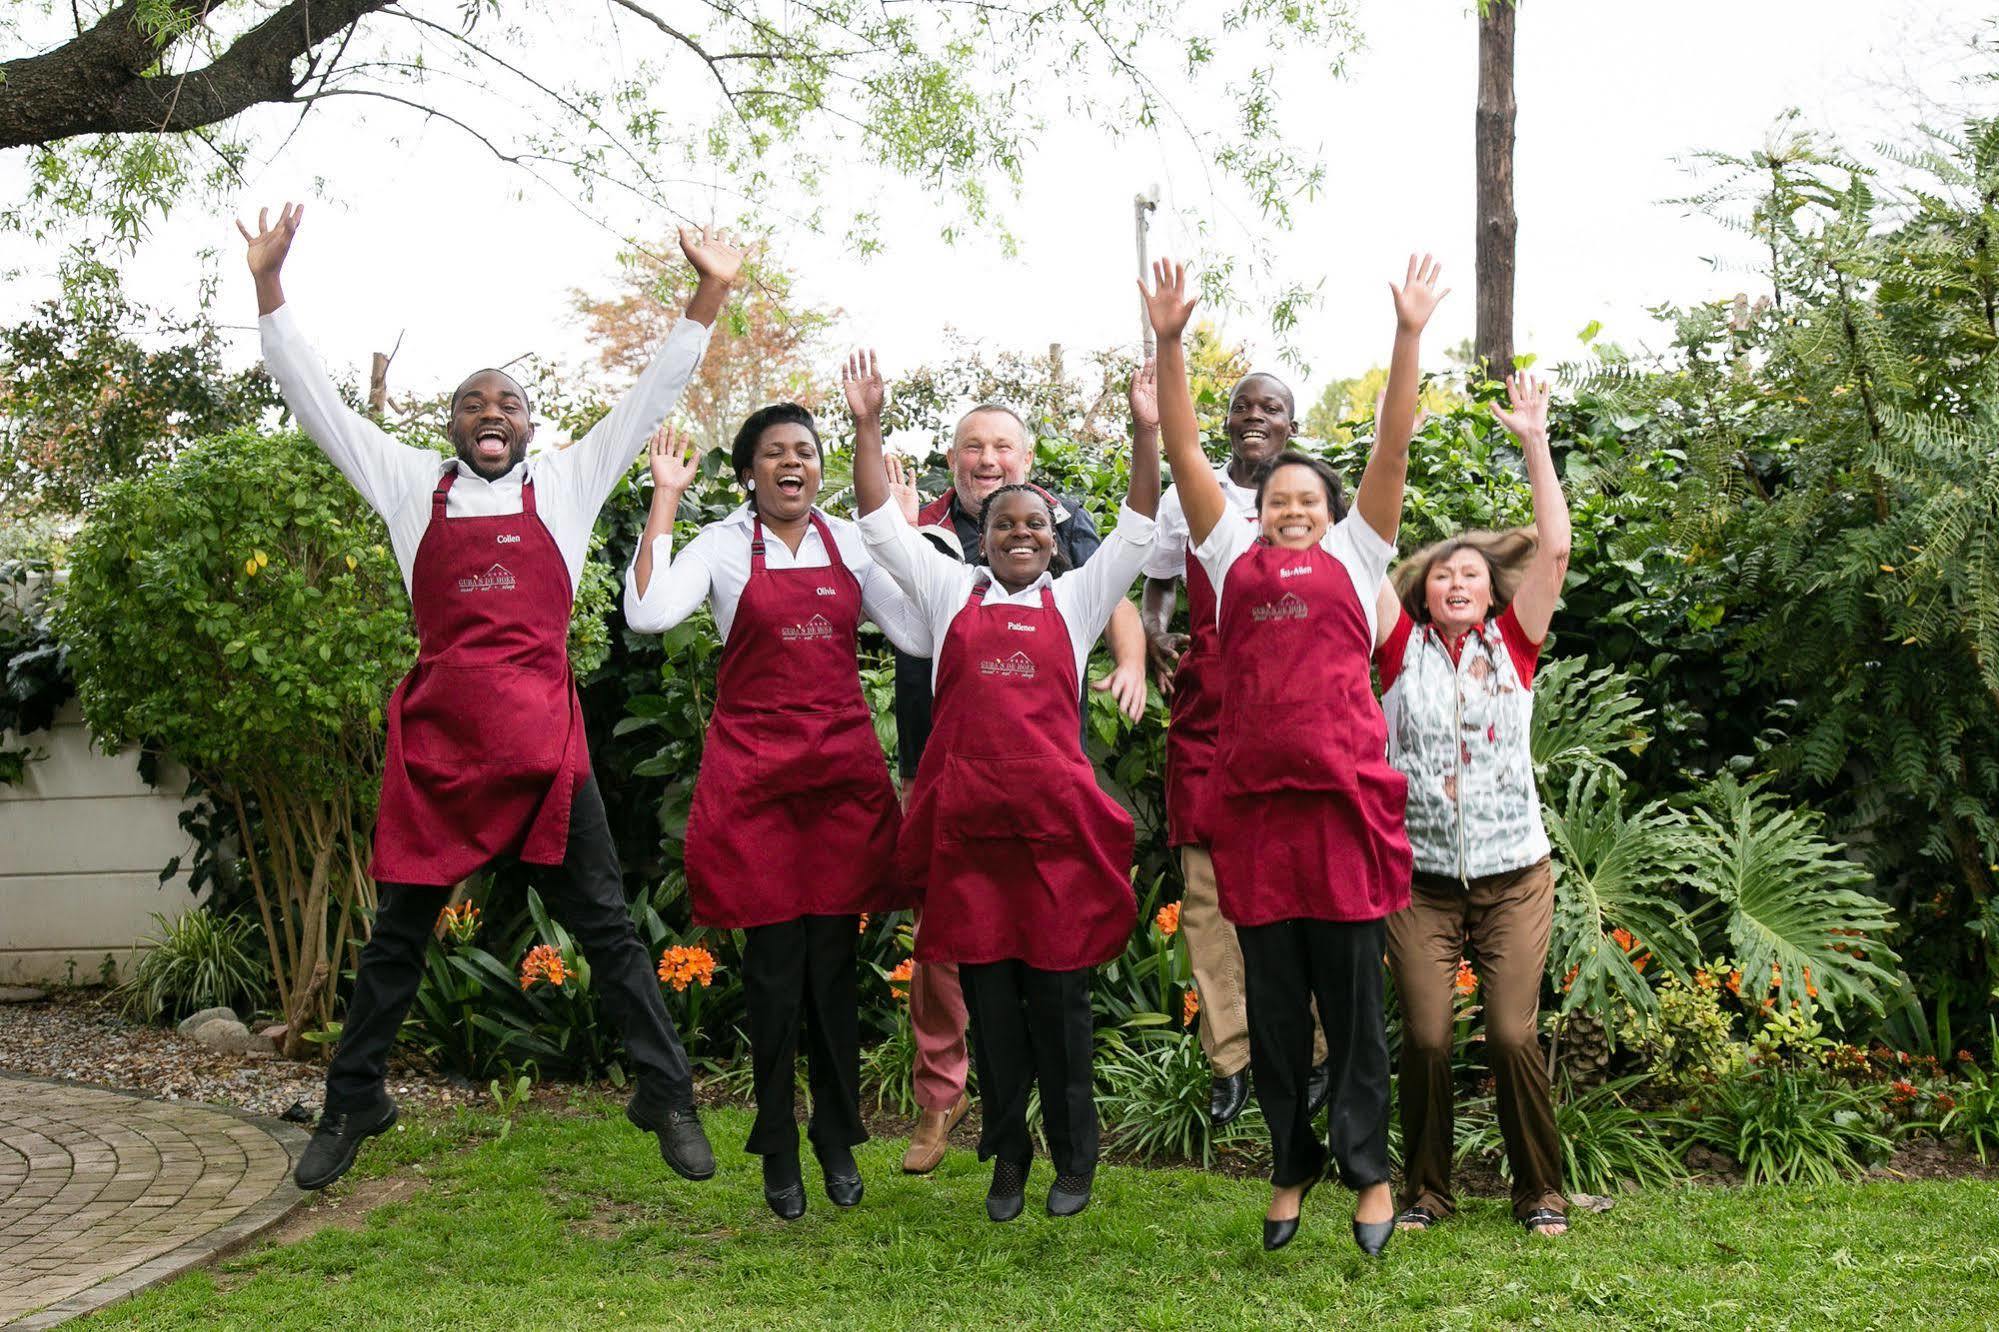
(1619, 870)
(1582, 720)
(1787, 902)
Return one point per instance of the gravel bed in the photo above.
(78, 1034)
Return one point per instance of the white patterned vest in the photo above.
(1459, 731)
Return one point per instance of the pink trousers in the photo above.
(937, 1017)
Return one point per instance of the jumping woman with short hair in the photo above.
(1308, 844)
(1459, 628)
(793, 826)
(1024, 862)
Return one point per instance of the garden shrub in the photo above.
(198, 960)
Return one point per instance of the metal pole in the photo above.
(1141, 207)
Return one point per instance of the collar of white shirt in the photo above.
(999, 596)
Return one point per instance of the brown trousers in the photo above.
(1216, 955)
(1500, 923)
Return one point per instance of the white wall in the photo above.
(82, 841)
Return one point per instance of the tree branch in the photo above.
(99, 82)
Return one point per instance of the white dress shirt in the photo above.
(940, 584)
(1360, 550)
(715, 567)
(396, 479)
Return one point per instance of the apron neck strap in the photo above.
(443, 489)
(757, 539)
(527, 496)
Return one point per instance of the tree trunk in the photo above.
(1497, 227)
(378, 384)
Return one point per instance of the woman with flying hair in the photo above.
(1460, 625)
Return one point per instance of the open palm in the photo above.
(861, 378)
(1419, 295)
(271, 243)
(1168, 305)
(671, 456)
(712, 253)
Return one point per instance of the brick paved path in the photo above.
(103, 1194)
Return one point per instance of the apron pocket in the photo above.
(801, 755)
(1001, 798)
(486, 716)
(1304, 745)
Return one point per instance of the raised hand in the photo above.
(673, 459)
(861, 377)
(1418, 296)
(1168, 305)
(1126, 686)
(1144, 396)
(267, 249)
(902, 489)
(1525, 415)
(712, 253)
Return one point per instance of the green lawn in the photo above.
(573, 1222)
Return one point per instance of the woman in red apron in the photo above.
(1023, 862)
(794, 820)
(1305, 811)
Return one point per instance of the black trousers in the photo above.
(803, 971)
(1286, 966)
(1029, 1025)
(588, 897)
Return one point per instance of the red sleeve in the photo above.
(1388, 657)
(1525, 652)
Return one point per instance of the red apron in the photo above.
(1305, 812)
(794, 814)
(486, 743)
(1197, 714)
(1019, 853)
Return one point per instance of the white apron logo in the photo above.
(827, 592)
(1287, 607)
(496, 579)
(1019, 628)
(1019, 665)
(1294, 571)
(507, 538)
(816, 627)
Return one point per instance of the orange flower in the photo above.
(864, 924)
(1466, 980)
(1902, 1091)
(1704, 980)
(681, 966)
(1628, 942)
(1735, 983)
(1190, 1004)
(1167, 922)
(903, 971)
(543, 963)
(1811, 990)
(458, 923)
(1569, 980)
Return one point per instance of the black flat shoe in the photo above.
(844, 1189)
(1008, 1193)
(682, 1143)
(337, 1140)
(1227, 1097)
(1069, 1194)
(1373, 1236)
(1317, 1088)
(1277, 1234)
(788, 1202)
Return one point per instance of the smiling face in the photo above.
(1296, 509)
(1458, 591)
(1259, 424)
(989, 451)
(785, 468)
(489, 423)
(1019, 540)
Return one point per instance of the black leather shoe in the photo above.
(1069, 1194)
(682, 1144)
(1373, 1236)
(844, 1186)
(1318, 1087)
(788, 1202)
(337, 1139)
(1277, 1234)
(1008, 1193)
(1227, 1097)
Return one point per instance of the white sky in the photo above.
(416, 241)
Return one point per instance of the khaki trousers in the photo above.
(1500, 923)
(1216, 955)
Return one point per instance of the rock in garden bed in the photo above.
(79, 1034)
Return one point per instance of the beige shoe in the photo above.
(930, 1136)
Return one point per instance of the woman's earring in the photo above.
(752, 484)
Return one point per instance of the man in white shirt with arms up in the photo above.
(486, 755)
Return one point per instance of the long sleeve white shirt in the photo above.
(715, 567)
(940, 585)
(1169, 544)
(396, 479)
